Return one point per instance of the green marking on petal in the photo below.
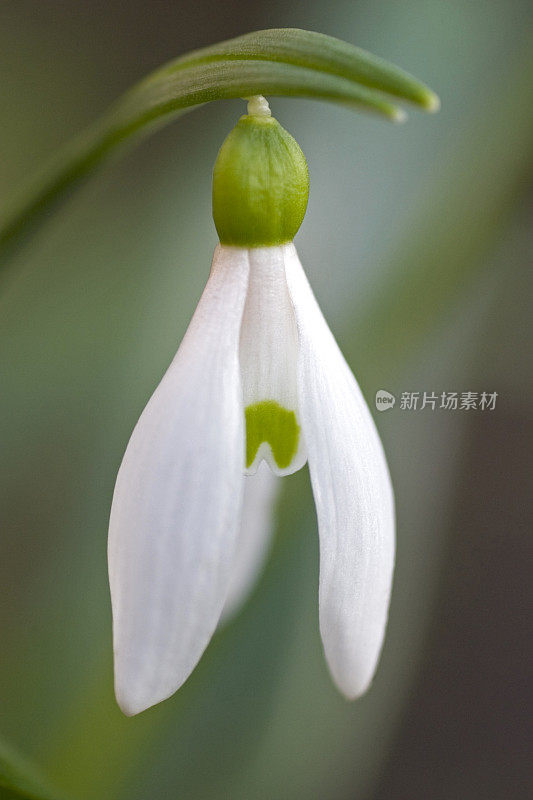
(269, 422)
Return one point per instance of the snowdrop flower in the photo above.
(257, 378)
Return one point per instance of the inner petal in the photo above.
(268, 353)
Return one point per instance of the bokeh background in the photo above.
(418, 244)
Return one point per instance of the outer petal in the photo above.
(176, 507)
(260, 493)
(353, 496)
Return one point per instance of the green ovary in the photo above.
(269, 422)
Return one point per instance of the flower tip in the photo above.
(127, 710)
(128, 704)
(432, 102)
(354, 686)
(399, 115)
(133, 701)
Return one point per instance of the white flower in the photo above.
(257, 337)
(258, 378)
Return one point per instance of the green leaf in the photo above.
(21, 777)
(323, 53)
(283, 62)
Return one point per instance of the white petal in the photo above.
(353, 496)
(260, 493)
(268, 355)
(176, 506)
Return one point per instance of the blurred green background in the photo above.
(418, 244)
